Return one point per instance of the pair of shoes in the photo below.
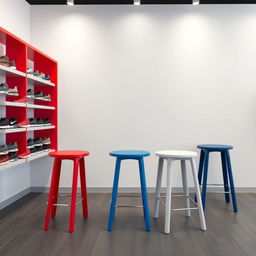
(39, 74)
(39, 121)
(5, 123)
(4, 88)
(8, 153)
(38, 144)
(38, 95)
(4, 60)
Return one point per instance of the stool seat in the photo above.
(177, 154)
(214, 147)
(69, 154)
(130, 153)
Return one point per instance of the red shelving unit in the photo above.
(27, 56)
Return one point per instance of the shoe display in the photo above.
(3, 150)
(12, 64)
(4, 87)
(4, 60)
(12, 147)
(13, 91)
(5, 123)
(32, 121)
(47, 97)
(39, 95)
(47, 121)
(46, 143)
(24, 124)
(42, 75)
(4, 159)
(13, 156)
(48, 78)
(30, 93)
(30, 143)
(36, 73)
(38, 142)
(40, 121)
(30, 71)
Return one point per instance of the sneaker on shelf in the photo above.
(24, 124)
(4, 150)
(30, 143)
(48, 78)
(24, 155)
(30, 71)
(38, 142)
(42, 75)
(40, 121)
(30, 93)
(36, 73)
(13, 156)
(4, 160)
(13, 91)
(39, 148)
(39, 95)
(4, 123)
(32, 121)
(47, 97)
(47, 121)
(46, 143)
(12, 147)
(13, 122)
(4, 60)
(32, 150)
(4, 87)
(12, 64)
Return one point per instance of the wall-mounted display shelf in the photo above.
(42, 79)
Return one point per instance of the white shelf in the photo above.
(40, 80)
(38, 155)
(34, 98)
(25, 160)
(14, 104)
(37, 128)
(11, 71)
(40, 106)
(12, 164)
(12, 130)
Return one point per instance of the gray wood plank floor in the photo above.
(228, 234)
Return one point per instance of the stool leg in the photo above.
(73, 197)
(83, 188)
(56, 190)
(225, 176)
(199, 201)
(168, 198)
(158, 186)
(51, 193)
(114, 195)
(200, 170)
(231, 181)
(205, 174)
(185, 187)
(144, 194)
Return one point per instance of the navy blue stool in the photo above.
(226, 170)
(125, 155)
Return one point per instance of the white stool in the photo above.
(171, 156)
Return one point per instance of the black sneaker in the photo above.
(39, 95)
(40, 121)
(32, 121)
(38, 142)
(47, 121)
(13, 122)
(39, 148)
(13, 156)
(4, 150)
(4, 123)
(32, 150)
(4, 87)
(30, 143)
(12, 147)
(30, 92)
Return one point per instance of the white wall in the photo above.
(151, 77)
(15, 17)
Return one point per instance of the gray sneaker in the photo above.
(13, 91)
(4, 87)
(4, 150)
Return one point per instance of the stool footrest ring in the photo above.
(129, 206)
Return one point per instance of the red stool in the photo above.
(78, 158)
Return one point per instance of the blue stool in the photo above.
(125, 155)
(226, 170)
